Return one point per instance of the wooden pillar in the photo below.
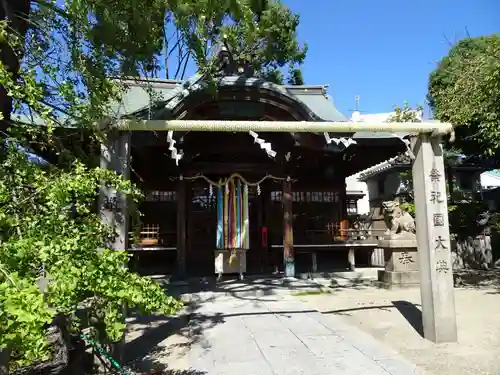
(314, 262)
(288, 253)
(433, 240)
(181, 228)
(115, 155)
(352, 259)
(264, 206)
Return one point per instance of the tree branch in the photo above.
(185, 65)
(179, 65)
(165, 41)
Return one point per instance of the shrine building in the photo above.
(256, 202)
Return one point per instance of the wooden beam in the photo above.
(224, 168)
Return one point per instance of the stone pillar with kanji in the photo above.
(433, 241)
(113, 206)
(115, 155)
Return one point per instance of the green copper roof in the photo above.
(137, 96)
(322, 105)
(171, 93)
(166, 94)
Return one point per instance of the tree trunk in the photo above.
(16, 12)
(4, 361)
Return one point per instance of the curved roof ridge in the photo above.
(316, 103)
(197, 83)
(325, 86)
(377, 168)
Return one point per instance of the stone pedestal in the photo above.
(401, 263)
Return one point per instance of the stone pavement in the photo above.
(237, 334)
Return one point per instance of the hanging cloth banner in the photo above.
(246, 221)
(220, 218)
(239, 211)
(232, 219)
(232, 216)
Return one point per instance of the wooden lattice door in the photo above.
(202, 226)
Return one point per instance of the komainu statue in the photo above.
(399, 223)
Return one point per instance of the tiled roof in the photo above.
(403, 159)
(379, 168)
(137, 96)
(317, 99)
(167, 94)
(313, 98)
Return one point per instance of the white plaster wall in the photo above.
(377, 117)
(489, 180)
(372, 189)
(352, 183)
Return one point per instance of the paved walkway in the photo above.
(266, 332)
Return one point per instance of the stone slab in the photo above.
(367, 345)
(290, 340)
(398, 366)
(303, 324)
(399, 279)
(276, 338)
(260, 367)
(244, 351)
(268, 322)
(398, 243)
(292, 361)
(401, 259)
(328, 346)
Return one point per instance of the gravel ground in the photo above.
(394, 318)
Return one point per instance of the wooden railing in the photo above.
(351, 235)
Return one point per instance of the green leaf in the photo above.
(465, 90)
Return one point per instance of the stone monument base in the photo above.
(398, 279)
(401, 263)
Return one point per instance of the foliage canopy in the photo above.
(58, 68)
(465, 90)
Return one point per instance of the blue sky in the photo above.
(384, 50)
